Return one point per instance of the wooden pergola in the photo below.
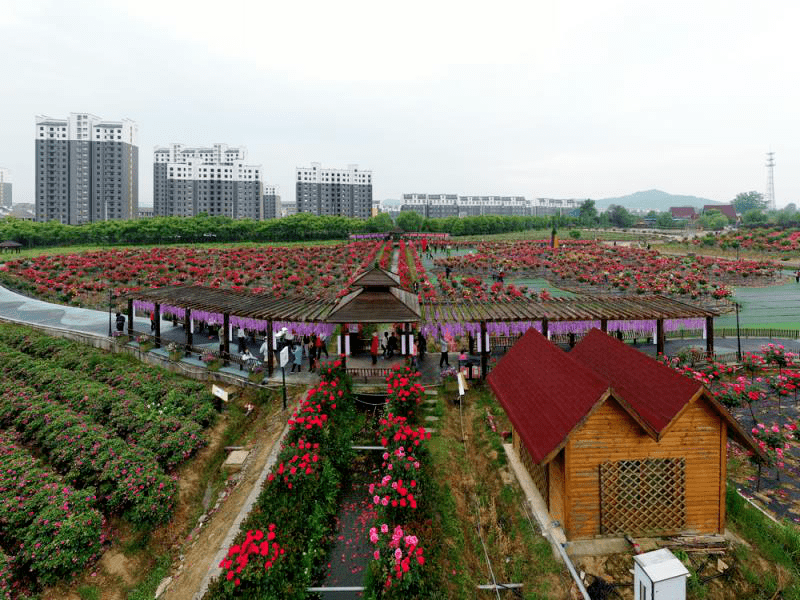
(376, 297)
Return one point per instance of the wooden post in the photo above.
(604, 325)
(157, 313)
(571, 340)
(659, 336)
(270, 351)
(485, 351)
(710, 337)
(226, 338)
(189, 334)
(130, 317)
(544, 327)
(471, 344)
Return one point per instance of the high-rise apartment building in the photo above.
(5, 188)
(271, 208)
(87, 169)
(337, 192)
(215, 181)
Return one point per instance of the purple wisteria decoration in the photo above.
(678, 324)
(176, 311)
(142, 306)
(643, 327)
(576, 327)
(301, 329)
(208, 317)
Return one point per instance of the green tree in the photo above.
(664, 220)
(587, 213)
(713, 220)
(408, 220)
(748, 201)
(619, 216)
(754, 216)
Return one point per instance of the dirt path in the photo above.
(202, 545)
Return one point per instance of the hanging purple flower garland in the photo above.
(576, 327)
(678, 324)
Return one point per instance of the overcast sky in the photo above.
(580, 99)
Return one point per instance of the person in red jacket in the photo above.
(374, 347)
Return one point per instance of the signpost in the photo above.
(284, 359)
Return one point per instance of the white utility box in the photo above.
(658, 575)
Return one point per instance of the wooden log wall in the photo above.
(610, 434)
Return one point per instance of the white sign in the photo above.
(284, 356)
(219, 392)
(462, 385)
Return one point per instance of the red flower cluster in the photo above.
(256, 547)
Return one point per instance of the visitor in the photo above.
(385, 343)
(322, 346)
(152, 320)
(413, 354)
(241, 337)
(797, 276)
(422, 345)
(306, 343)
(373, 348)
(444, 360)
(247, 359)
(312, 357)
(391, 346)
(265, 349)
(297, 351)
(120, 322)
(462, 360)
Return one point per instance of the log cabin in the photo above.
(616, 442)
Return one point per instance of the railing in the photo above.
(367, 372)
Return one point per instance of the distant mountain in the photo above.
(654, 200)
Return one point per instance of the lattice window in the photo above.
(643, 496)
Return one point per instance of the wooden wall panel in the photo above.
(610, 434)
(556, 487)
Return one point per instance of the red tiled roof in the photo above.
(726, 209)
(544, 391)
(682, 212)
(653, 390)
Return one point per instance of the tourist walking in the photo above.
(444, 360)
(297, 351)
(373, 348)
(152, 320)
(422, 345)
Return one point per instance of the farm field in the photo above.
(91, 445)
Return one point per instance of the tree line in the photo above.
(299, 227)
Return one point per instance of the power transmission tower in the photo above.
(770, 181)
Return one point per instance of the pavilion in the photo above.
(377, 296)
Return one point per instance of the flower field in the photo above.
(587, 266)
(325, 271)
(770, 240)
(84, 278)
(85, 438)
(763, 396)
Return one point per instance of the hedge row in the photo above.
(51, 530)
(171, 439)
(128, 479)
(171, 393)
